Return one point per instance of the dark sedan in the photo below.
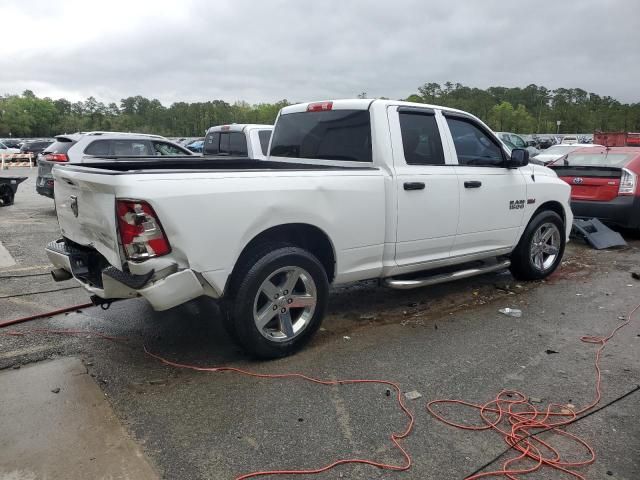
(35, 147)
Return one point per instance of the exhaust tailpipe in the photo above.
(60, 275)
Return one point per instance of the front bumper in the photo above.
(623, 211)
(163, 291)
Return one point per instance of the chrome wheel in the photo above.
(545, 246)
(285, 303)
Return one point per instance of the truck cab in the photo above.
(238, 140)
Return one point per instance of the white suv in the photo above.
(88, 147)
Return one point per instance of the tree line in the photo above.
(533, 109)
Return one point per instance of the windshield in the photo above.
(598, 159)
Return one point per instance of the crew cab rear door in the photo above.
(426, 187)
(492, 197)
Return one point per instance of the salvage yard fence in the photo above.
(16, 160)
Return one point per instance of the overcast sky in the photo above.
(266, 50)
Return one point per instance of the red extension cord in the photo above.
(508, 408)
(512, 408)
(395, 437)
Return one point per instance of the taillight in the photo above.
(319, 106)
(56, 157)
(141, 233)
(628, 182)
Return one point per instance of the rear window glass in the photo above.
(603, 159)
(224, 144)
(233, 143)
(265, 136)
(560, 149)
(237, 144)
(211, 143)
(328, 135)
(59, 146)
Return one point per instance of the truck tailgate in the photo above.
(85, 205)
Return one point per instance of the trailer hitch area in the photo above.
(103, 303)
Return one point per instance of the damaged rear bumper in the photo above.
(163, 290)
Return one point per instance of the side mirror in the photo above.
(519, 158)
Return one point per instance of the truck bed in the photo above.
(140, 165)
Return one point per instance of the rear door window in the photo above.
(325, 135)
(98, 148)
(421, 139)
(264, 136)
(130, 148)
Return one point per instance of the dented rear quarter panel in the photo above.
(210, 217)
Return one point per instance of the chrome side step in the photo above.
(407, 284)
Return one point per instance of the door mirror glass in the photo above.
(519, 158)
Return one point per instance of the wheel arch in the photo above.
(303, 235)
(554, 206)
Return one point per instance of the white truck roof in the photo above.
(361, 104)
(239, 127)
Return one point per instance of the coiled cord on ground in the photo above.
(518, 422)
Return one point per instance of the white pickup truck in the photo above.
(408, 193)
(238, 140)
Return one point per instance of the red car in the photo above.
(604, 183)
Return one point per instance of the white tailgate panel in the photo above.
(95, 223)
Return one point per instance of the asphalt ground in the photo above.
(447, 341)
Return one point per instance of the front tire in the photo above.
(541, 247)
(278, 300)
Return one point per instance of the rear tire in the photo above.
(278, 299)
(541, 247)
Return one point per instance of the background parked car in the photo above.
(196, 146)
(569, 140)
(92, 146)
(5, 149)
(238, 140)
(545, 142)
(35, 147)
(12, 142)
(553, 153)
(604, 183)
(513, 140)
